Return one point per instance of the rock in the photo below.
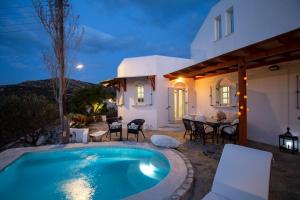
(29, 139)
(42, 140)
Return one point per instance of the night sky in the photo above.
(114, 29)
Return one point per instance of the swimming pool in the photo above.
(83, 174)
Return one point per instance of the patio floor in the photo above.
(285, 173)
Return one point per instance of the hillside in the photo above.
(41, 87)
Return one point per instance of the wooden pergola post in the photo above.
(242, 103)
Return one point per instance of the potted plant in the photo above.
(79, 130)
(97, 110)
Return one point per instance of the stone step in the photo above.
(175, 126)
(171, 128)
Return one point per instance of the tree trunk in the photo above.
(62, 84)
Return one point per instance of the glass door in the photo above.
(179, 103)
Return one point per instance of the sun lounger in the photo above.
(242, 174)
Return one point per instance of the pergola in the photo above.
(121, 82)
(279, 49)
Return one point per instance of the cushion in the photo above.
(133, 126)
(236, 121)
(165, 141)
(208, 128)
(229, 130)
(115, 125)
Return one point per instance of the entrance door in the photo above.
(179, 103)
(171, 105)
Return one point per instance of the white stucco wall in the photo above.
(151, 65)
(130, 110)
(155, 115)
(254, 21)
(267, 100)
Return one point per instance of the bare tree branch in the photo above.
(62, 28)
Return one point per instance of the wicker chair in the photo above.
(135, 127)
(203, 131)
(230, 131)
(188, 127)
(112, 127)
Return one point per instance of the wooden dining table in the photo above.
(215, 124)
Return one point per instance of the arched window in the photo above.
(224, 92)
(224, 95)
(140, 94)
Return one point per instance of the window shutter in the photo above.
(217, 96)
(233, 97)
(148, 97)
(186, 101)
(147, 94)
(171, 111)
(135, 94)
(120, 98)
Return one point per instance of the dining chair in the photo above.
(203, 131)
(188, 128)
(230, 131)
(135, 127)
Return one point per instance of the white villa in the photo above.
(245, 61)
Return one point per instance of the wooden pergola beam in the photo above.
(152, 81)
(242, 93)
(209, 69)
(277, 61)
(289, 42)
(288, 47)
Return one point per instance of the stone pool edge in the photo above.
(177, 184)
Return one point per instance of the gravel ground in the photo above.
(285, 173)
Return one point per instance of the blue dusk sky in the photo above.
(113, 30)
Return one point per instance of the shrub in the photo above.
(112, 112)
(21, 115)
(78, 118)
(89, 101)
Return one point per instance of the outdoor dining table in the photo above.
(215, 124)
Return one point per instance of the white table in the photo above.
(97, 136)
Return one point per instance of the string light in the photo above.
(245, 97)
(239, 113)
(245, 78)
(241, 107)
(179, 80)
(238, 93)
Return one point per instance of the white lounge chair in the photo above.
(242, 174)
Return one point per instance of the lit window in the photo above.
(225, 95)
(140, 94)
(218, 28)
(229, 21)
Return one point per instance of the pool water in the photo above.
(83, 174)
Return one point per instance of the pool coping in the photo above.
(176, 185)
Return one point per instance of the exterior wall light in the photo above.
(179, 80)
(288, 142)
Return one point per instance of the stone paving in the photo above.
(285, 172)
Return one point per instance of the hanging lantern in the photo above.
(288, 142)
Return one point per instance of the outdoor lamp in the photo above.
(288, 142)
